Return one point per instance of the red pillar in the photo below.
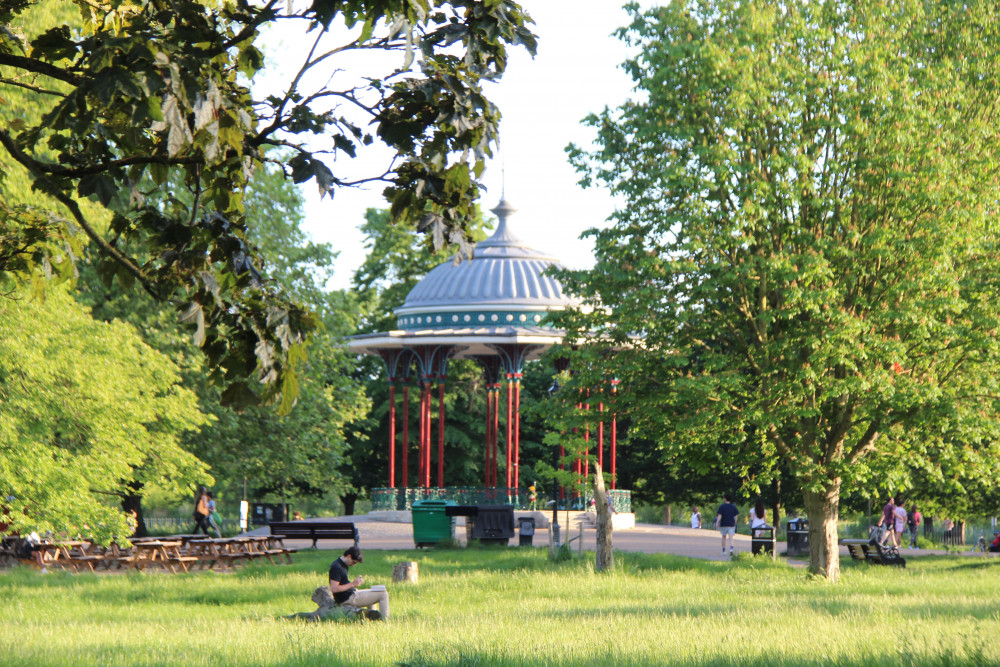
(586, 439)
(427, 438)
(423, 430)
(614, 433)
(406, 436)
(510, 434)
(441, 433)
(517, 430)
(578, 469)
(392, 435)
(496, 434)
(487, 433)
(600, 435)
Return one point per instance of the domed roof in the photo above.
(502, 284)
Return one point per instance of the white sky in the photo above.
(543, 101)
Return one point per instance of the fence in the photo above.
(938, 535)
(177, 525)
(403, 499)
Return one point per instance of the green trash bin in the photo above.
(431, 525)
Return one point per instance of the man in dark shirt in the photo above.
(345, 591)
(725, 521)
(886, 522)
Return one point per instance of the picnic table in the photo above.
(165, 554)
(57, 553)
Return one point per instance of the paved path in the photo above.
(645, 538)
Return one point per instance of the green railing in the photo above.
(403, 499)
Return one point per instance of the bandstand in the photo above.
(490, 308)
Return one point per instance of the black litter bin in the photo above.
(525, 530)
(494, 524)
(762, 540)
(797, 531)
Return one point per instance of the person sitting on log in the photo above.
(345, 591)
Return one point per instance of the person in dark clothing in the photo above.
(201, 512)
(886, 522)
(725, 521)
(345, 590)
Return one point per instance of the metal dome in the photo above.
(502, 285)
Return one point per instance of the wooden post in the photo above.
(406, 571)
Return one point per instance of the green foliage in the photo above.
(118, 92)
(518, 609)
(88, 408)
(809, 250)
(287, 455)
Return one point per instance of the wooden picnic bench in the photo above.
(870, 551)
(315, 530)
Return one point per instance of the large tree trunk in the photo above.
(133, 503)
(348, 499)
(605, 527)
(823, 509)
(776, 507)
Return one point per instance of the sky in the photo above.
(543, 101)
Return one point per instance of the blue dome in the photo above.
(501, 285)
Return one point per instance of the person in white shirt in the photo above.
(695, 517)
(758, 515)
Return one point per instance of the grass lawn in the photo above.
(514, 607)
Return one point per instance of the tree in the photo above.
(128, 90)
(290, 455)
(809, 244)
(88, 409)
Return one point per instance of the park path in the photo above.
(645, 538)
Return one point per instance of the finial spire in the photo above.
(502, 211)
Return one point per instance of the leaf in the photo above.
(238, 396)
(101, 186)
(195, 314)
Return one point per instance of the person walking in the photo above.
(695, 517)
(201, 512)
(885, 522)
(213, 515)
(898, 521)
(725, 522)
(913, 519)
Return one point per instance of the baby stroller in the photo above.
(992, 547)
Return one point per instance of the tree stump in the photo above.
(406, 571)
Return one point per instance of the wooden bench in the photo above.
(315, 530)
(870, 551)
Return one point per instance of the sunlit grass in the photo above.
(514, 607)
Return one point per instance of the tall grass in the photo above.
(514, 607)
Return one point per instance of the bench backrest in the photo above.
(316, 530)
